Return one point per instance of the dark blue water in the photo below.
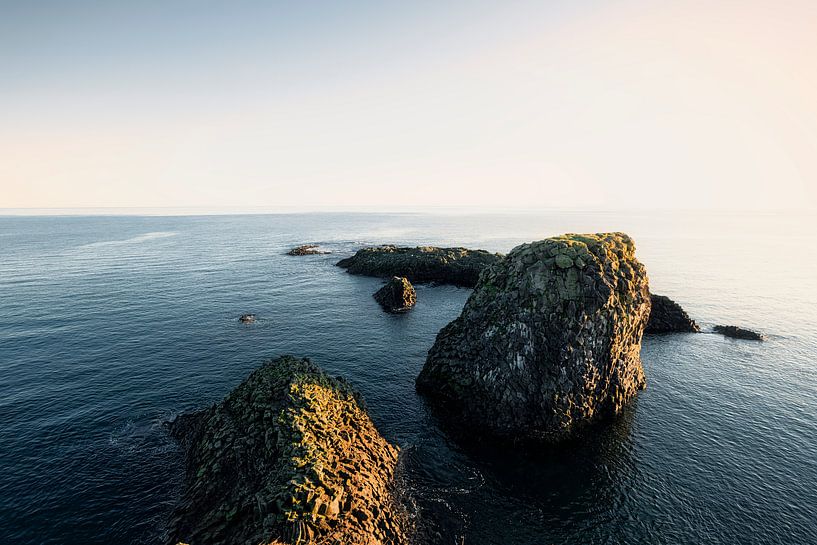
(111, 325)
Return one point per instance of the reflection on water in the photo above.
(571, 483)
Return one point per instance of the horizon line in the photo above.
(363, 209)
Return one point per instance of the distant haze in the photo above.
(598, 104)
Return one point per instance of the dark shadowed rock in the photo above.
(247, 318)
(307, 249)
(667, 316)
(457, 266)
(549, 340)
(289, 456)
(397, 295)
(738, 333)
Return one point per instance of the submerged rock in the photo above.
(397, 295)
(738, 333)
(247, 318)
(289, 455)
(550, 339)
(307, 249)
(457, 266)
(667, 316)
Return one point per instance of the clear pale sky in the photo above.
(579, 104)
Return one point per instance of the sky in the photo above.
(616, 104)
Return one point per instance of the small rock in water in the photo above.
(247, 318)
(667, 316)
(397, 295)
(738, 333)
(307, 249)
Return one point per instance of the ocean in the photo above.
(111, 325)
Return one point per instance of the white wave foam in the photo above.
(135, 240)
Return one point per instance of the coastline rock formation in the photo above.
(397, 295)
(667, 316)
(247, 318)
(289, 456)
(457, 266)
(738, 333)
(549, 340)
(307, 249)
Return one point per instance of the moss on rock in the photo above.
(289, 455)
(549, 339)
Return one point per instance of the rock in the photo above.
(667, 316)
(457, 266)
(397, 295)
(738, 333)
(307, 249)
(540, 348)
(247, 318)
(289, 455)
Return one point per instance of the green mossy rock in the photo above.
(549, 340)
(289, 456)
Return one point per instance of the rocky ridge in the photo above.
(289, 456)
(549, 340)
(457, 266)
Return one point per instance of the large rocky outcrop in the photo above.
(289, 455)
(397, 295)
(457, 266)
(667, 316)
(549, 340)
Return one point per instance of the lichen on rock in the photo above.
(289, 455)
(457, 266)
(397, 295)
(549, 340)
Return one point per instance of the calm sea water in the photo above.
(111, 325)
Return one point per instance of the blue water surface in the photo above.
(111, 325)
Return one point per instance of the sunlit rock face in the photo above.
(398, 295)
(290, 456)
(549, 339)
